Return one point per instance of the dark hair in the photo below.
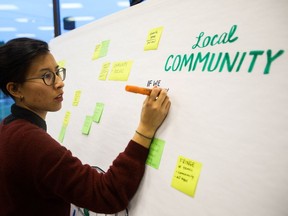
(16, 57)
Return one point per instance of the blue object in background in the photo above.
(5, 105)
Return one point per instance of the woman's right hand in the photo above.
(154, 111)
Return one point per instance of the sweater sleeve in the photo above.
(58, 173)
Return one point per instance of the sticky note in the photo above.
(153, 38)
(66, 118)
(104, 71)
(120, 71)
(186, 175)
(104, 48)
(97, 51)
(101, 50)
(98, 112)
(76, 99)
(87, 125)
(61, 63)
(155, 153)
(62, 133)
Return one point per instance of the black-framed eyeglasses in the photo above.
(49, 77)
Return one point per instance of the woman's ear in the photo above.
(13, 89)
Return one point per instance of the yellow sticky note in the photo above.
(120, 71)
(186, 175)
(104, 71)
(66, 118)
(87, 125)
(76, 99)
(97, 51)
(61, 63)
(153, 38)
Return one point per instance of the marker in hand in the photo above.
(138, 90)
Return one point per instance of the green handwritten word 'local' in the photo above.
(221, 61)
(216, 39)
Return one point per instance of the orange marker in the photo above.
(138, 90)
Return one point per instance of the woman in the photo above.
(38, 176)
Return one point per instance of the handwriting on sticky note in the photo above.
(104, 71)
(66, 118)
(98, 112)
(120, 71)
(186, 175)
(76, 99)
(153, 38)
(97, 51)
(155, 153)
(87, 125)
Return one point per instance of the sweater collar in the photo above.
(22, 113)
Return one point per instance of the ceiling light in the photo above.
(8, 7)
(7, 29)
(123, 4)
(46, 28)
(26, 35)
(22, 20)
(71, 5)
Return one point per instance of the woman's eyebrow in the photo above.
(48, 69)
(44, 69)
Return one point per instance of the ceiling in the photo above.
(34, 18)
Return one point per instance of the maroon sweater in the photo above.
(38, 176)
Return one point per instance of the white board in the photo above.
(233, 122)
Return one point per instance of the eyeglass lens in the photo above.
(49, 77)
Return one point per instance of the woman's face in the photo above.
(37, 96)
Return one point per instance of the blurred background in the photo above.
(46, 19)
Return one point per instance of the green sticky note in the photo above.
(62, 133)
(104, 71)
(155, 153)
(87, 125)
(153, 38)
(104, 48)
(120, 71)
(98, 112)
(186, 175)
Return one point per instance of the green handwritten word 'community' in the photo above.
(222, 61)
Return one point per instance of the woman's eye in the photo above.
(48, 76)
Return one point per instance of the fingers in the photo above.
(159, 96)
(154, 93)
(154, 111)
